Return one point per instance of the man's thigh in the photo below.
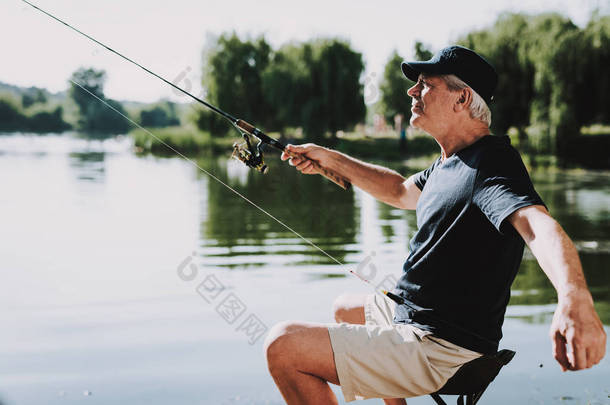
(305, 346)
(349, 308)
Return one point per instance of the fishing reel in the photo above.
(250, 155)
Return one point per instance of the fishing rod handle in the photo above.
(332, 176)
(252, 130)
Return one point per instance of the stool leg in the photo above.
(437, 398)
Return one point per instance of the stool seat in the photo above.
(473, 378)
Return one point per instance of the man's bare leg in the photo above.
(349, 308)
(301, 361)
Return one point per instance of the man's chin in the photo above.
(413, 122)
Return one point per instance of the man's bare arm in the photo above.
(575, 323)
(382, 183)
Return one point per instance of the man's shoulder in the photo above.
(494, 152)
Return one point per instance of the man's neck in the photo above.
(456, 140)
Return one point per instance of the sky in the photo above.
(168, 36)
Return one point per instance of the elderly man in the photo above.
(476, 207)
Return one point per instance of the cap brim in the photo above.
(412, 70)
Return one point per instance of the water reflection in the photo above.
(237, 234)
(88, 166)
(579, 200)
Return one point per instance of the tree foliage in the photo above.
(161, 115)
(394, 86)
(93, 114)
(552, 75)
(313, 85)
(504, 47)
(421, 52)
(10, 117)
(232, 75)
(14, 118)
(34, 95)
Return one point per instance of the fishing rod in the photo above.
(247, 152)
(253, 157)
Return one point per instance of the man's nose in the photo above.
(413, 91)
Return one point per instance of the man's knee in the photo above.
(349, 308)
(277, 345)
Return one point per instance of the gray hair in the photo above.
(478, 107)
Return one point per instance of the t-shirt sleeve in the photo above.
(420, 178)
(502, 186)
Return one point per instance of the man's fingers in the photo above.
(301, 161)
(577, 353)
(591, 358)
(303, 165)
(298, 148)
(295, 161)
(559, 351)
(596, 350)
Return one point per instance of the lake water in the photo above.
(118, 270)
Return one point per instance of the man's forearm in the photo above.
(382, 183)
(558, 257)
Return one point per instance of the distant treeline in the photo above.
(32, 109)
(97, 113)
(30, 112)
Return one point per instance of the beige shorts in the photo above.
(382, 359)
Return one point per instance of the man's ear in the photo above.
(463, 100)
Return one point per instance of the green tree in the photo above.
(93, 114)
(47, 121)
(394, 86)
(597, 36)
(92, 81)
(232, 75)
(33, 96)
(504, 47)
(342, 101)
(315, 85)
(286, 86)
(549, 109)
(421, 52)
(11, 118)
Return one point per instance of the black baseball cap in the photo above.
(465, 63)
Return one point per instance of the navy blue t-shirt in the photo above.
(464, 256)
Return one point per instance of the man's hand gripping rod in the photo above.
(252, 130)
